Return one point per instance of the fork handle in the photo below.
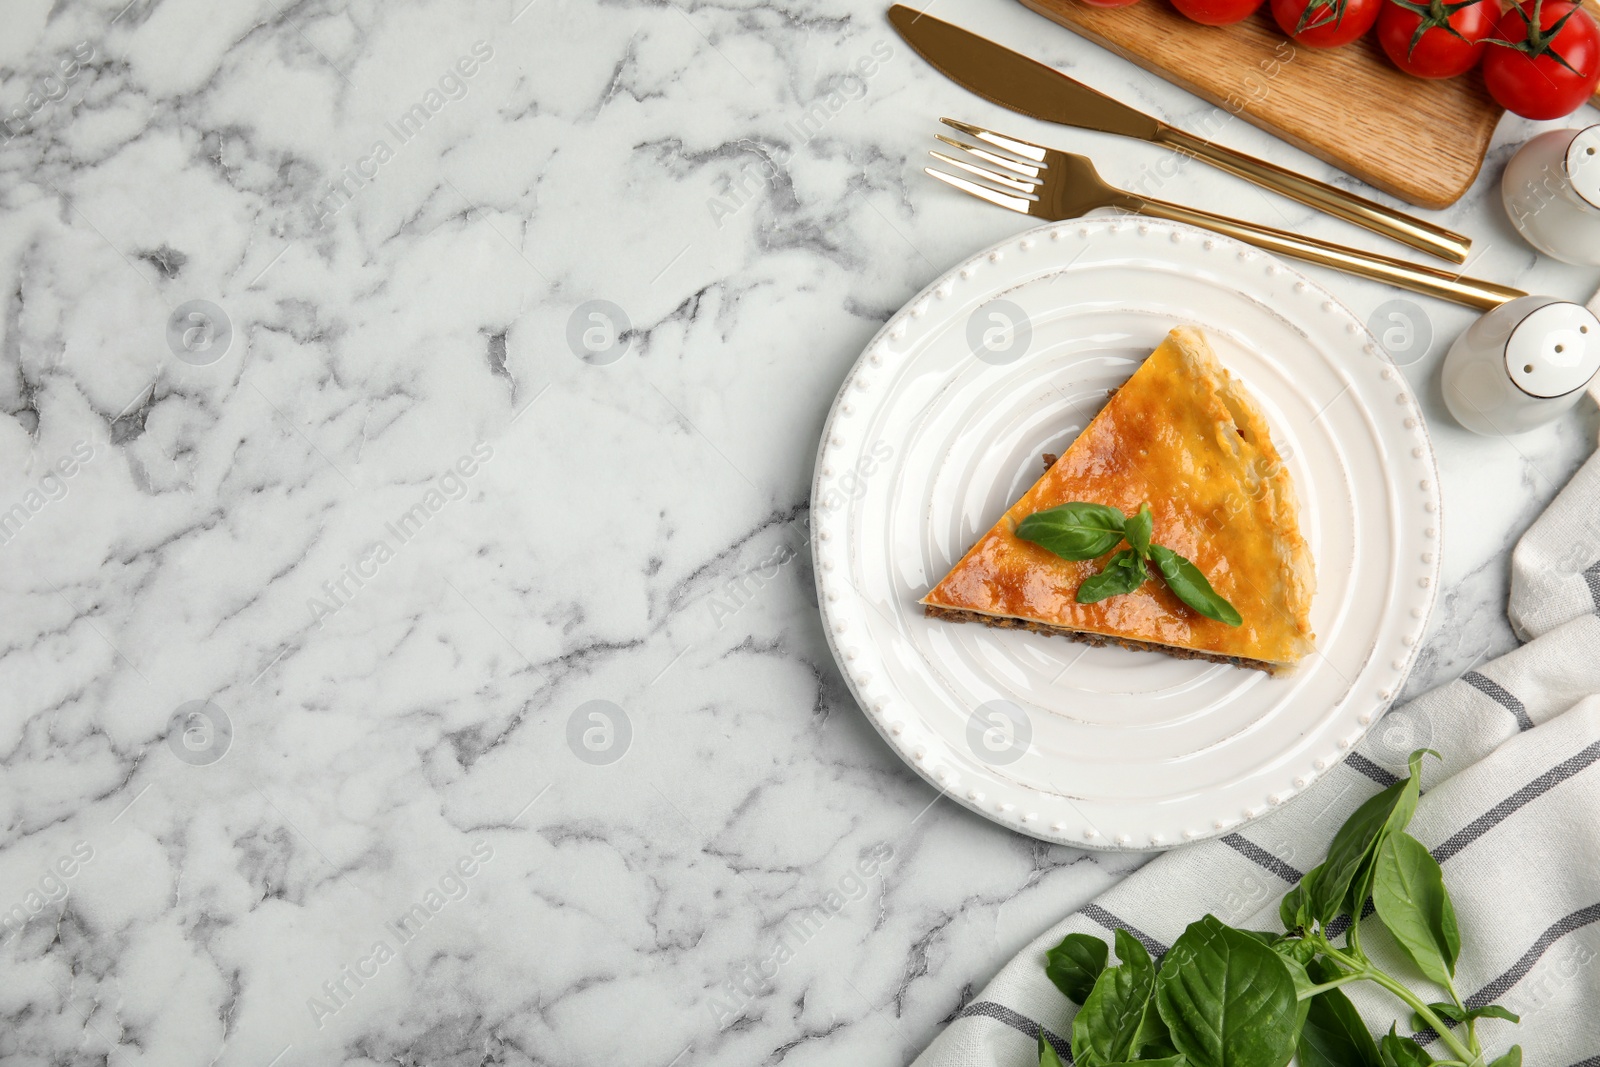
(1423, 236)
(1429, 280)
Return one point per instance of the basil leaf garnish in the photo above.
(1123, 573)
(1080, 530)
(1191, 587)
(1076, 531)
(1138, 530)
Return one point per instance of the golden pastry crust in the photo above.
(1184, 436)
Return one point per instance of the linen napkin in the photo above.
(1512, 814)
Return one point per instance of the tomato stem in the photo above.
(1434, 15)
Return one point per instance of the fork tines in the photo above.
(1014, 145)
(1014, 179)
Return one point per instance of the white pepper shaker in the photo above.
(1522, 365)
(1551, 191)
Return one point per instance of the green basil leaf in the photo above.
(1352, 849)
(1164, 1061)
(1333, 1034)
(1228, 1000)
(1048, 1057)
(1302, 983)
(1345, 876)
(1138, 530)
(1105, 1029)
(1191, 587)
(1399, 819)
(1355, 901)
(1512, 1058)
(1295, 952)
(1414, 762)
(1450, 1011)
(1153, 1041)
(1076, 531)
(1349, 850)
(1294, 909)
(1408, 889)
(1074, 965)
(1123, 573)
(1397, 1051)
(1295, 948)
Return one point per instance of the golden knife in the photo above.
(1012, 80)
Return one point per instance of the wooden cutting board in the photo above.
(1423, 141)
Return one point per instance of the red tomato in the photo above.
(1527, 76)
(1217, 12)
(1435, 39)
(1325, 23)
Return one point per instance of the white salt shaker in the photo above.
(1521, 365)
(1551, 191)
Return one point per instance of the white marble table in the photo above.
(394, 537)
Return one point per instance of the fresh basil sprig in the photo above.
(1225, 997)
(1079, 530)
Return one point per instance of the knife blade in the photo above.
(1024, 85)
(1012, 80)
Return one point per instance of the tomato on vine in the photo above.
(1435, 39)
(1325, 23)
(1217, 12)
(1543, 61)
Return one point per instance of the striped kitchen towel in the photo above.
(1512, 814)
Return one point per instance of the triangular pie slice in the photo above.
(1184, 436)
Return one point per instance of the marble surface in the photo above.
(383, 683)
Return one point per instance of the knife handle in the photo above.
(1429, 280)
(1423, 236)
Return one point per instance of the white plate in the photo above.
(928, 444)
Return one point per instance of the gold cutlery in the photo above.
(1053, 185)
(1012, 80)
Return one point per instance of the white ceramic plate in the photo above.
(937, 430)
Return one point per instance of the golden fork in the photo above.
(1053, 185)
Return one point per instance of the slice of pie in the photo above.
(1184, 436)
